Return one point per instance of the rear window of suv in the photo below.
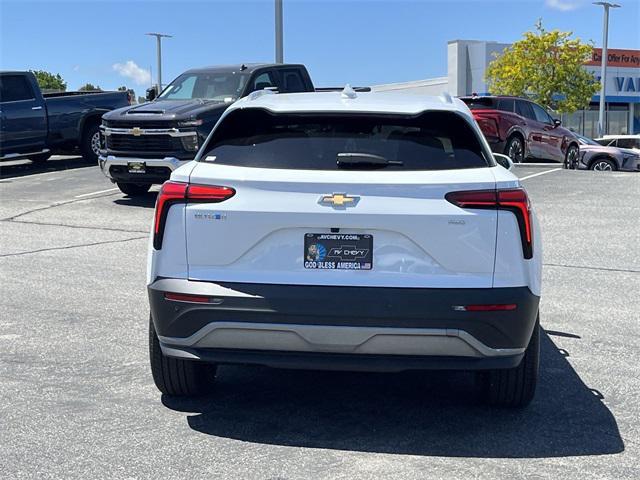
(429, 141)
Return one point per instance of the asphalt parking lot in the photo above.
(78, 401)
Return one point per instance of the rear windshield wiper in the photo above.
(350, 159)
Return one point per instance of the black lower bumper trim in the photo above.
(120, 173)
(350, 306)
(350, 362)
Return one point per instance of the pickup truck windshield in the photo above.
(212, 86)
(430, 141)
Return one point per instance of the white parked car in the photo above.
(629, 142)
(368, 231)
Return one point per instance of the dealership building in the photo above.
(467, 62)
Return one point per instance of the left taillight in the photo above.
(177, 192)
(514, 200)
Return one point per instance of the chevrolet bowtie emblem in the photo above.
(136, 131)
(339, 200)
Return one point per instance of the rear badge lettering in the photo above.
(210, 216)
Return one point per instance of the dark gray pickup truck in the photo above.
(145, 143)
(35, 125)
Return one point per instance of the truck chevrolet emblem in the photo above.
(136, 131)
(339, 200)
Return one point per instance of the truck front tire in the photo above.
(176, 376)
(134, 189)
(515, 387)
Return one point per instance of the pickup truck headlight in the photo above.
(190, 123)
(190, 142)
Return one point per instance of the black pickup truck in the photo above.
(35, 125)
(145, 143)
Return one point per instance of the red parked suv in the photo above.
(522, 129)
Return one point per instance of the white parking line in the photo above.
(540, 173)
(96, 193)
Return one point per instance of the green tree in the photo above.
(546, 67)
(50, 81)
(89, 87)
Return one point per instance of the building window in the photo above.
(585, 122)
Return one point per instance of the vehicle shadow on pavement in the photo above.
(26, 167)
(417, 413)
(148, 200)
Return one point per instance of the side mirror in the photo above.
(152, 93)
(503, 161)
(557, 122)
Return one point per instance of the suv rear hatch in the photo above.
(346, 199)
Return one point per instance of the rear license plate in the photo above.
(137, 167)
(338, 251)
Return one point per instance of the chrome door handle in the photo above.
(36, 108)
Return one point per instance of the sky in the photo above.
(358, 42)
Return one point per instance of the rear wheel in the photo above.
(515, 387)
(134, 189)
(175, 376)
(515, 149)
(90, 143)
(571, 158)
(603, 165)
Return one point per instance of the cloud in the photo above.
(562, 5)
(76, 68)
(129, 69)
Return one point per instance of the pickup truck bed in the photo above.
(35, 125)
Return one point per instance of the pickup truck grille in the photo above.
(134, 123)
(164, 143)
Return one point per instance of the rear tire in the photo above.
(571, 158)
(515, 387)
(175, 376)
(515, 149)
(90, 143)
(134, 189)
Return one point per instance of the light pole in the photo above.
(278, 22)
(603, 73)
(159, 37)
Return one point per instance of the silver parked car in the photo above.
(594, 156)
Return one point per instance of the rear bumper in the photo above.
(342, 327)
(158, 169)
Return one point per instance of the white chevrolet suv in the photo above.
(344, 230)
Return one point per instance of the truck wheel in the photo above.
(515, 387)
(175, 376)
(90, 143)
(43, 157)
(134, 189)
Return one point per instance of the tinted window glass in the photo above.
(292, 81)
(213, 86)
(506, 104)
(479, 103)
(262, 81)
(524, 108)
(431, 141)
(628, 143)
(14, 88)
(540, 114)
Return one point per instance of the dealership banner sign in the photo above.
(616, 58)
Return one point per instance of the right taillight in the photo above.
(514, 200)
(178, 192)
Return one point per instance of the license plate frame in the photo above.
(338, 251)
(137, 168)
